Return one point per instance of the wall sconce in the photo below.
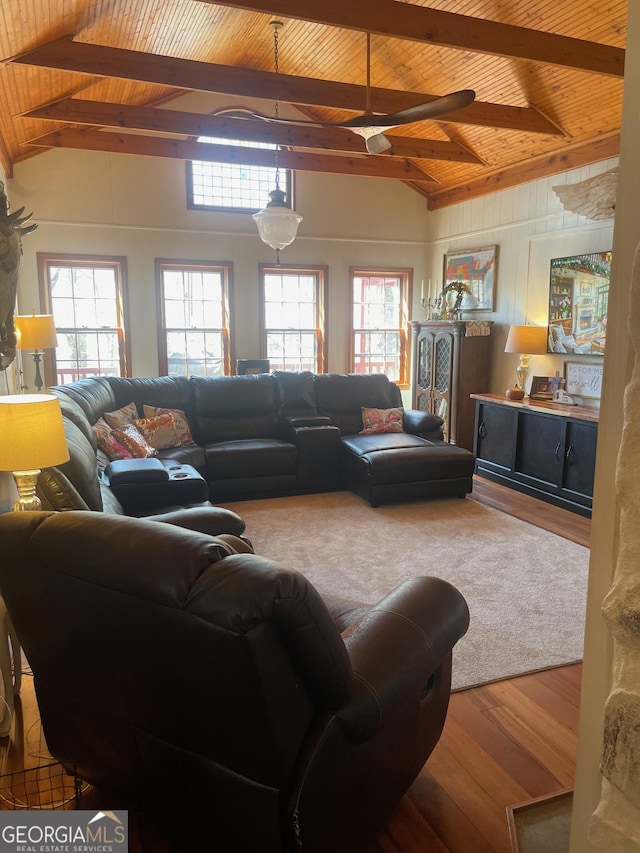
(32, 438)
(36, 332)
(525, 340)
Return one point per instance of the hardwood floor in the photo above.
(503, 743)
(555, 519)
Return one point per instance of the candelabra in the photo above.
(426, 307)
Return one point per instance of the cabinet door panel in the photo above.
(541, 448)
(580, 458)
(424, 366)
(495, 441)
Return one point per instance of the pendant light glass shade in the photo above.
(277, 223)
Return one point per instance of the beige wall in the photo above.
(95, 203)
(529, 226)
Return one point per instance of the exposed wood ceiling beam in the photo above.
(99, 60)
(433, 26)
(367, 165)
(78, 111)
(536, 168)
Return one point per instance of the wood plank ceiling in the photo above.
(123, 75)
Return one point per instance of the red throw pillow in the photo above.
(381, 420)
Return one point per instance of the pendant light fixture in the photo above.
(277, 222)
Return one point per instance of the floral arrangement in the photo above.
(565, 307)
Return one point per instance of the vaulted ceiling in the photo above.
(111, 75)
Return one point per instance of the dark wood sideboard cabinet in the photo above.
(450, 363)
(543, 449)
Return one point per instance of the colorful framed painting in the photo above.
(477, 269)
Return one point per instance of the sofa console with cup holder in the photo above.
(235, 437)
(150, 483)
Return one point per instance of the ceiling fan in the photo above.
(371, 126)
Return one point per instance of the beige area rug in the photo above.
(525, 587)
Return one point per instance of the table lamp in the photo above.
(36, 332)
(32, 438)
(525, 340)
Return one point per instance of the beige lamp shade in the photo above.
(32, 432)
(527, 339)
(35, 331)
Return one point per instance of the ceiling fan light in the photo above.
(277, 223)
(377, 143)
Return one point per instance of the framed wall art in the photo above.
(578, 303)
(583, 379)
(477, 269)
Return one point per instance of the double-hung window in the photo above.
(234, 186)
(86, 295)
(379, 322)
(193, 303)
(293, 325)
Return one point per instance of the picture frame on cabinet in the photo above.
(477, 270)
(541, 388)
(583, 379)
(251, 366)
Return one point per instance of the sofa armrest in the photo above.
(57, 492)
(319, 449)
(396, 648)
(290, 423)
(213, 520)
(422, 423)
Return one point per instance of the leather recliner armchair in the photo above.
(221, 692)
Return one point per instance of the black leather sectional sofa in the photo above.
(268, 435)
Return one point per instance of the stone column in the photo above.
(615, 825)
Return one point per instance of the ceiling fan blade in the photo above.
(421, 112)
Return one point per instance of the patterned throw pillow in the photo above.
(381, 420)
(107, 443)
(134, 441)
(179, 418)
(160, 432)
(126, 415)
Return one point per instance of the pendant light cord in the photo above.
(277, 25)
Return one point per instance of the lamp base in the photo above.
(27, 500)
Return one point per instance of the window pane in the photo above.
(105, 283)
(378, 307)
(60, 281)
(106, 313)
(291, 318)
(85, 303)
(173, 284)
(194, 301)
(234, 186)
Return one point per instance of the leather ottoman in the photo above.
(401, 466)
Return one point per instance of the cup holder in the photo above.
(180, 476)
